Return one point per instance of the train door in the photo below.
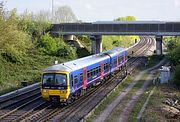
(84, 77)
(102, 70)
(124, 57)
(117, 61)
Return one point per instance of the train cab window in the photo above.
(81, 77)
(75, 79)
(60, 80)
(52, 79)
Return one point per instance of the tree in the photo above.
(174, 51)
(126, 18)
(13, 42)
(43, 16)
(64, 14)
(176, 78)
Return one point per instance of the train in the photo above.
(65, 82)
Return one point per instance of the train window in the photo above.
(119, 60)
(94, 71)
(99, 68)
(115, 61)
(91, 73)
(81, 77)
(88, 74)
(107, 65)
(72, 83)
(75, 79)
(126, 56)
(97, 71)
(104, 66)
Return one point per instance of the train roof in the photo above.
(83, 62)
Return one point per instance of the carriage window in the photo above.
(75, 79)
(72, 83)
(115, 61)
(97, 71)
(88, 74)
(81, 77)
(94, 71)
(107, 65)
(91, 72)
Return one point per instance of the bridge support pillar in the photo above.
(159, 45)
(68, 37)
(96, 44)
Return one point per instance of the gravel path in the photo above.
(111, 106)
(124, 115)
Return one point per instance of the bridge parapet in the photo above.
(119, 28)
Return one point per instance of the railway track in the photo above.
(35, 109)
(77, 113)
(61, 114)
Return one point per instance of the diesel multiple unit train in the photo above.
(65, 82)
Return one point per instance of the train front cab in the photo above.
(55, 86)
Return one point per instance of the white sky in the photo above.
(105, 10)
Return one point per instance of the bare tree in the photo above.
(64, 14)
(43, 16)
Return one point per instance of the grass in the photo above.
(11, 74)
(152, 60)
(118, 41)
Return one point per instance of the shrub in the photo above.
(176, 78)
(66, 51)
(48, 44)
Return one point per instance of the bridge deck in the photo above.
(119, 28)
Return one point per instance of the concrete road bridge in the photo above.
(96, 29)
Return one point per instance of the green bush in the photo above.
(66, 51)
(13, 42)
(176, 78)
(48, 44)
(174, 55)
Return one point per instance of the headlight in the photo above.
(44, 90)
(63, 91)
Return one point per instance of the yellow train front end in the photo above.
(55, 86)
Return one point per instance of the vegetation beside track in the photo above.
(155, 110)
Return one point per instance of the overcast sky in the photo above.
(105, 10)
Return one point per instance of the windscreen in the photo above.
(52, 79)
